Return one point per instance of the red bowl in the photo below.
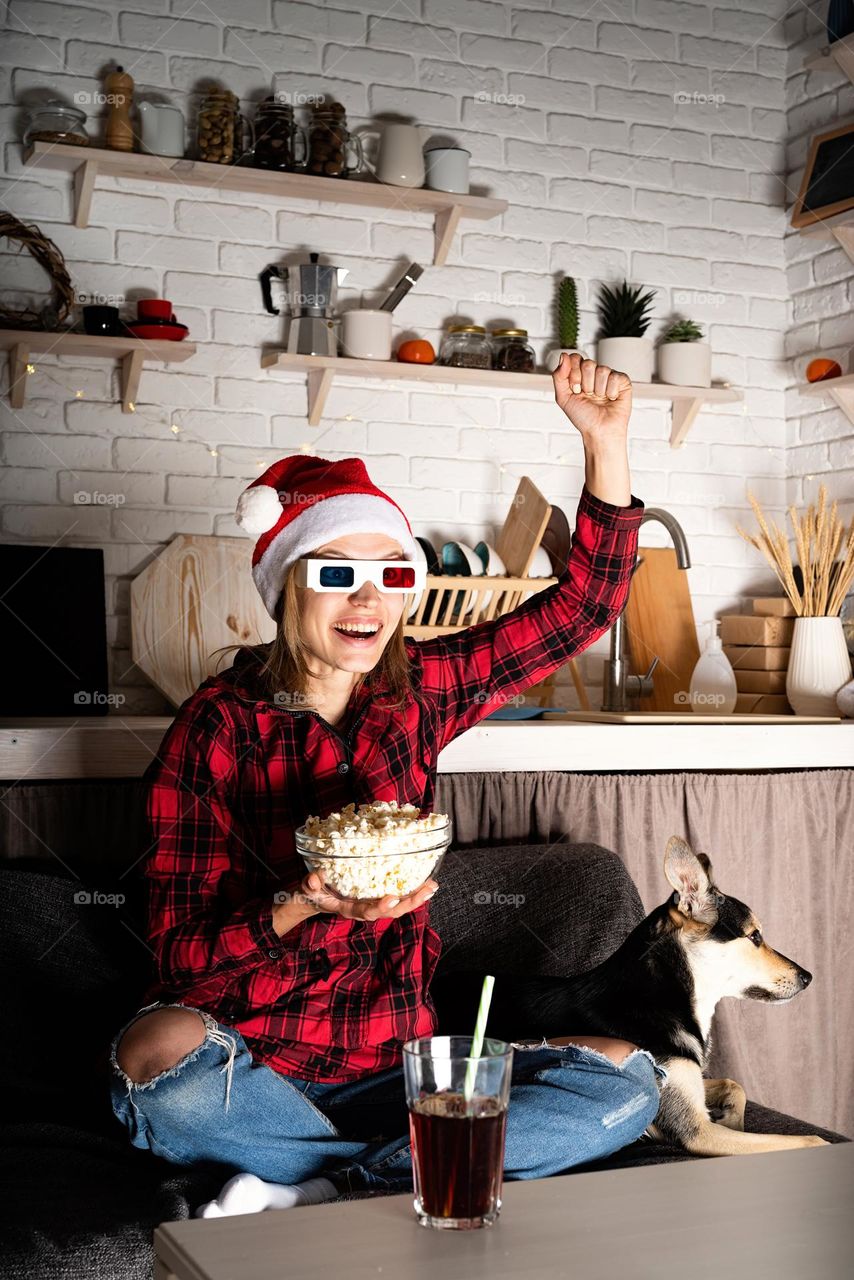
(154, 309)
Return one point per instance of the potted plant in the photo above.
(624, 317)
(684, 360)
(566, 323)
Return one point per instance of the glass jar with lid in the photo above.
(54, 121)
(466, 346)
(333, 151)
(512, 351)
(219, 128)
(279, 143)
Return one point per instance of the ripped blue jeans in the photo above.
(568, 1105)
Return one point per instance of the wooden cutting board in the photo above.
(659, 619)
(523, 529)
(197, 595)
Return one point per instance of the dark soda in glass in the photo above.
(458, 1157)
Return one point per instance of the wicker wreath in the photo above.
(54, 313)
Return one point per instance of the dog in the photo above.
(658, 991)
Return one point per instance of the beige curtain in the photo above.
(782, 842)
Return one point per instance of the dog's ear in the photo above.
(707, 867)
(690, 875)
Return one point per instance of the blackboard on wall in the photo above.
(827, 187)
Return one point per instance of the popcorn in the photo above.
(379, 848)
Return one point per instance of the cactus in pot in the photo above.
(566, 322)
(684, 359)
(624, 317)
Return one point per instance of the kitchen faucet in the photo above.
(619, 684)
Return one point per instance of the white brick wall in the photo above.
(648, 141)
(821, 282)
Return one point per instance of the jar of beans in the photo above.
(512, 352)
(333, 151)
(220, 128)
(279, 143)
(466, 346)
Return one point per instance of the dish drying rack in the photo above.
(451, 603)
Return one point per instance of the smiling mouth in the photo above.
(363, 634)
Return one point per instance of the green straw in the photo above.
(477, 1039)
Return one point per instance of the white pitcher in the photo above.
(162, 129)
(400, 162)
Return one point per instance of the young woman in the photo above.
(271, 1037)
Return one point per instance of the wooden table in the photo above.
(784, 1215)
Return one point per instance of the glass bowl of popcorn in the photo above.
(365, 852)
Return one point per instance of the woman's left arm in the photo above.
(472, 672)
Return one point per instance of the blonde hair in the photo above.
(284, 661)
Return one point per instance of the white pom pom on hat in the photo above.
(302, 502)
(259, 509)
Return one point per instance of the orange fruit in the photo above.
(818, 370)
(416, 351)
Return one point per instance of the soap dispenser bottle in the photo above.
(713, 689)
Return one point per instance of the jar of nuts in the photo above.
(54, 121)
(334, 152)
(279, 143)
(220, 128)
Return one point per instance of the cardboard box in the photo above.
(750, 628)
(758, 657)
(760, 681)
(774, 606)
(773, 704)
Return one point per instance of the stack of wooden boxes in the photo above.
(758, 646)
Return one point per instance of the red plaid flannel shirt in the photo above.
(335, 999)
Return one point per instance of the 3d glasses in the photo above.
(348, 575)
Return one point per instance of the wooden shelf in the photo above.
(321, 371)
(838, 56)
(132, 352)
(87, 163)
(840, 390)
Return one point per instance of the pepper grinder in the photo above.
(119, 89)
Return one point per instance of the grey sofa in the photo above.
(80, 1201)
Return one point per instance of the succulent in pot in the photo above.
(684, 359)
(566, 323)
(625, 313)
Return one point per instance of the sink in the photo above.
(685, 717)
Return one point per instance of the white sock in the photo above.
(246, 1193)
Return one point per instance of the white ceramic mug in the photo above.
(400, 162)
(366, 334)
(447, 169)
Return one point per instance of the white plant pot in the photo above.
(685, 364)
(819, 665)
(553, 356)
(631, 356)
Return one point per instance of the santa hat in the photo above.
(302, 502)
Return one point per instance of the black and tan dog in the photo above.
(658, 991)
